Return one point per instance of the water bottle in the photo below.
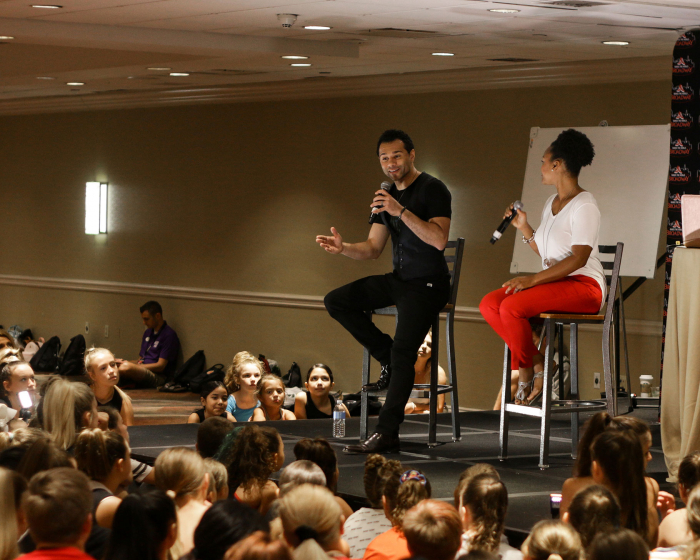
(338, 420)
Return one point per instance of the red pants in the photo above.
(508, 314)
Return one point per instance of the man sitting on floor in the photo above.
(159, 350)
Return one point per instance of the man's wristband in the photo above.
(402, 211)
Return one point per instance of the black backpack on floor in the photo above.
(293, 377)
(190, 369)
(46, 359)
(73, 358)
(214, 373)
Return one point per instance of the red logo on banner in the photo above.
(681, 147)
(683, 65)
(686, 40)
(681, 119)
(679, 174)
(674, 201)
(682, 93)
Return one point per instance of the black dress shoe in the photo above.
(377, 443)
(383, 381)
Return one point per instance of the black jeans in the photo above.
(417, 304)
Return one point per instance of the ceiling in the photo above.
(109, 45)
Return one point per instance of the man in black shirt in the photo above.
(415, 212)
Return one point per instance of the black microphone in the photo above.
(517, 205)
(385, 186)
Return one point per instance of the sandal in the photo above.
(520, 396)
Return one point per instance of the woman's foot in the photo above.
(524, 390)
(537, 383)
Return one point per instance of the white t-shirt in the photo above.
(362, 527)
(578, 223)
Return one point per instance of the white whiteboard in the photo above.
(628, 178)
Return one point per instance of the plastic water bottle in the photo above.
(339, 420)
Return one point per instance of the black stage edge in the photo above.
(528, 487)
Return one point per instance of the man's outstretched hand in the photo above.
(332, 244)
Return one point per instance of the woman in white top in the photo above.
(572, 279)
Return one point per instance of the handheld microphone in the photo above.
(385, 186)
(517, 205)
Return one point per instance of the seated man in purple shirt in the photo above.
(159, 350)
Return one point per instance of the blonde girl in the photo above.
(66, 409)
(102, 368)
(241, 381)
(270, 392)
(105, 458)
(552, 540)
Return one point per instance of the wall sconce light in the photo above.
(95, 208)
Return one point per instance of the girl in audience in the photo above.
(42, 455)
(622, 544)
(316, 401)
(218, 480)
(31, 346)
(181, 473)
(423, 369)
(298, 473)
(466, 477)
(213, 397)
(13, 524)
(366, 523)
(102, 369)
(16, 376)
(313, 523)
(144, 527)
(618, 464)
(270, 391)
(7, 340)
(260, 546)
(399, 494)
(674, 529)
(552, 540)
(593, 510)
(484, 504)
(252, 453)
(320, 452)
(241, 380)
(433, 530)
(105, 458)
(67, 408)
(224, 524)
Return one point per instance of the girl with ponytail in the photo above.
(105, 458)
(483, 512)
(313, 523)
(66, 409)
(552, 540)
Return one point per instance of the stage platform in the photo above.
(528, 486)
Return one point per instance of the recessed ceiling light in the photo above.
(616, 43)
(179, 74)
(157, 68)
(504, 11)
(300, 64)
(294, 57)
(45, 78)
(75, 83)
(443, 54)
(5, 37)
(47, 6)
(317, 27)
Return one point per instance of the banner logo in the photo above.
(678, 174)
(674, 201)
(683, 65)
(674, 228)
(682, 93)
(680, 147)
(681, 119)
(686, 40)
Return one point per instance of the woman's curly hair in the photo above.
(574, 149)
(249, 455)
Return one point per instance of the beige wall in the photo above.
(231, 197)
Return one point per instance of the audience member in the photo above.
(423, 368)
(674, 529)
(27, 435)
(213, 397)
(260, 546)
(102, 369)
(241, 380)
(552, 540)
(16, 376)
(160, 347)
(298, 473)
(484, 505)
(144, 527)
(622, 544)
(181, 473)
(7, 340)
(105, 458)
(400, 493)
(13, 523)
(319, 451)
(57, 508)
(68, 408)
(31, 346)
(316, 401)
(41, 455)
(270, 392)
(313, 523)
(252, 453)
(366, 523)
(593, 510)
(224, 524)
(433, 530)
(466, 477)
(478, 555)
(211, 434)
(218, 480)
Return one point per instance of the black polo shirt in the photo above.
(427, 197)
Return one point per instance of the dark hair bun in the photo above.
(574, 149)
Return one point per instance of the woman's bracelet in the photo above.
(532, 237)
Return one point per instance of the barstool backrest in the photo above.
(612, 273)
(454, 264)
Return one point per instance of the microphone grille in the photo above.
(386, 185)
(517, 205)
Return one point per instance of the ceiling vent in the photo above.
(402, 33)
(576, 3)
(512, 59)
